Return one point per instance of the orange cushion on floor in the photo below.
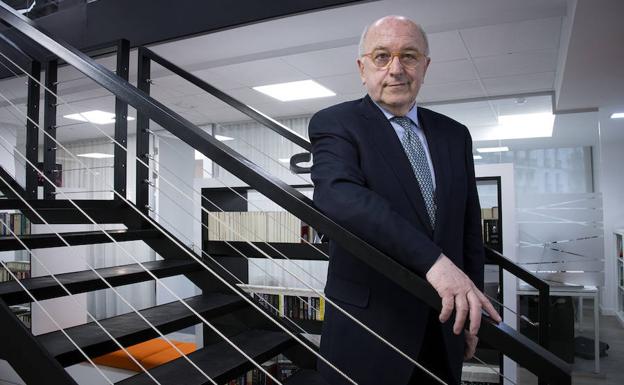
(149, 354)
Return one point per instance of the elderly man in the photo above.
(402, 178)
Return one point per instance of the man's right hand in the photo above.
(460, 293)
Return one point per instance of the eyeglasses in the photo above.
(382, 58)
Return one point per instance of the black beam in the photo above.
(32, 129)
(277, 250)
(24, 353)
(517, 347)
(49, 126)
(121, 121)
(237, 104)
(142, 137)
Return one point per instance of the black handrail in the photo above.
(237, 104)
(543, 290)
(519, 348)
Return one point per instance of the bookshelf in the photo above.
(17, 262)
(289, 303)
(619, 260)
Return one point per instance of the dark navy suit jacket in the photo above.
(364, 181)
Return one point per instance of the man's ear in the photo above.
(426, 67)
(360, 65)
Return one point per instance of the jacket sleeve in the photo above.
(473, 241)
(340, 192)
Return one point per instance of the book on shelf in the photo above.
(21, 270)
(303, 308)
(16, 222)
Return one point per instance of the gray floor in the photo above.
(611, 367)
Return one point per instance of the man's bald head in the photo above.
(389, 20)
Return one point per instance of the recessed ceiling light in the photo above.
(492, 149)
(304, 89)
(95, 117)
(96, 155)
(223, 138)
(477, 157)
(617, 115)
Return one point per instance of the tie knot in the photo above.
(404, 122)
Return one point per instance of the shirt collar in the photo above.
(412, 113)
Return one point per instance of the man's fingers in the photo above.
(461, 312)
(475, 312)
(471, 346)
(448, 303)
(487, 305)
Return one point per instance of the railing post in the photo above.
(27, 357)
(543, 306)
(121, 122)
(142, 137)
(32, 130)
(49, 125)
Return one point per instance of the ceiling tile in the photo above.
(334, 61)
(529, 35)
(516, 63)
(450, 91)
(543, 81)
(261, 72)
(450, 71)
(444, 46)
(343, 84)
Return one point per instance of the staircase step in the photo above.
(306, 377)
(61, 211)
(130, 329)
(219, 361)
(82, 281)
(38, 241)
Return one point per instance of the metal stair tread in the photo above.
(219, 361)
(306, 377)
(82, 281)
(130, 329)
(32, 241)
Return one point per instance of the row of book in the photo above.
(489, 213)
(255, 226)
(18, 223)
(23, 313)
(303, 308)
(21, 269)
(279, 369)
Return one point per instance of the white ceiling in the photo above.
(479, 49)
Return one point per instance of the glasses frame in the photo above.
(397, 55)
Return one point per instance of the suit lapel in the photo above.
(438, 149)
(388, 145)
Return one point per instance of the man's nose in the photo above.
(395, 67)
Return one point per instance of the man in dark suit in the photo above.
(402, 178)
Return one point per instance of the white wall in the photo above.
(612, 188)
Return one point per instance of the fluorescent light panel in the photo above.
(492, 149)
(95, 117)
(477, 157)
(617, 115)
(284, 160)
(304, 89)
(520, 126)
(96, 155)
(223, 138)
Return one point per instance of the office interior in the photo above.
(538, 83)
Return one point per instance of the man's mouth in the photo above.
(396, 85)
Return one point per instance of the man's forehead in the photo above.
(378, 36)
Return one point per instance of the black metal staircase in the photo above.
(261, 336)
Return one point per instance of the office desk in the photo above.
(580, 293)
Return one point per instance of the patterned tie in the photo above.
(418, 158)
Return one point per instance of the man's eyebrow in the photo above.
(409, 48)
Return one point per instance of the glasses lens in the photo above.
(381, 58)
(409, 59)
